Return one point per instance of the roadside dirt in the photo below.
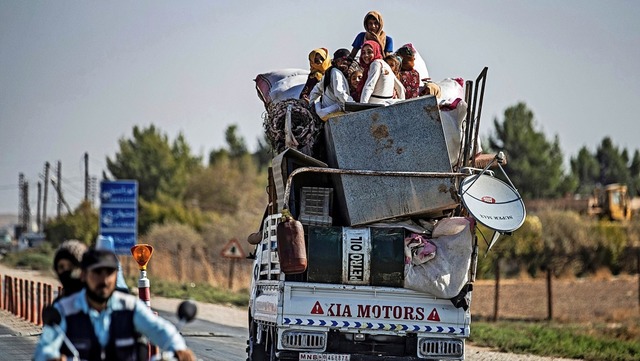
(595, 299)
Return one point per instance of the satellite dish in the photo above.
(493, 203)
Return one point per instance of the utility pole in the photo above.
(44, 199)
(38, 218)
(86, 177)
(20, 200)
(59, 189)
(26, 212)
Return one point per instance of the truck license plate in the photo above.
(324, 356)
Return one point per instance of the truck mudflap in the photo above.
(368, 309)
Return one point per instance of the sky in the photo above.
(77, 76)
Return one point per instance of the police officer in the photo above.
(103, 324)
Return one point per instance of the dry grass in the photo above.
(598, 298)
(603, 303)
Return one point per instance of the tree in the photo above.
(534, 163)
(168, 210)
(236, 152)
(586, 168)
(613, 163)
(264, 153)
(236, 146)
(634, 170)
(81, 224)
(158, 167)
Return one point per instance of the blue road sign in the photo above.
(119, 213)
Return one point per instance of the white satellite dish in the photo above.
(493, 203)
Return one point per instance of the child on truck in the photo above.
(319, 62)
(409, 77)
(354, 79)
(333, 90)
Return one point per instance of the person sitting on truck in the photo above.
(394, 63)
(354, 79)
(319, 62)
(333, 90)
(373, 31)
(409, 77)
(66, 265)
(378, 81)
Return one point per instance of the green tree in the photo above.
(210, 192)
(634, 172)
(235, 152)
(81, 224)
(159, 168)
(613, 163)
(236, 146)
(586, 168)
(264, 153)
(534, 163)
(168, 210)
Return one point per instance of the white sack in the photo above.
(450, 90)
(452, 127)
(281, 84)
(446, 274)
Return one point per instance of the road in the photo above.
(209, 340)
(212, 341)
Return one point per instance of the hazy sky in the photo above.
(76, 76)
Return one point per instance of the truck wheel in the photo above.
(256, 351)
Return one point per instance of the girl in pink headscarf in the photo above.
(378, 80)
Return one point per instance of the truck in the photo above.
(375, 273)
(611, 202)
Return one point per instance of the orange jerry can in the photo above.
(292, 252)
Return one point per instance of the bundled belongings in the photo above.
(418, 249)
(445, 274)
(290, 124)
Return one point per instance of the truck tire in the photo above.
(256, 351)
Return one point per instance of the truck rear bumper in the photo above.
(291, 355)
(339, 346)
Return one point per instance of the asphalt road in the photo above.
(16, 346)
(213, 341)
(210, 341)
